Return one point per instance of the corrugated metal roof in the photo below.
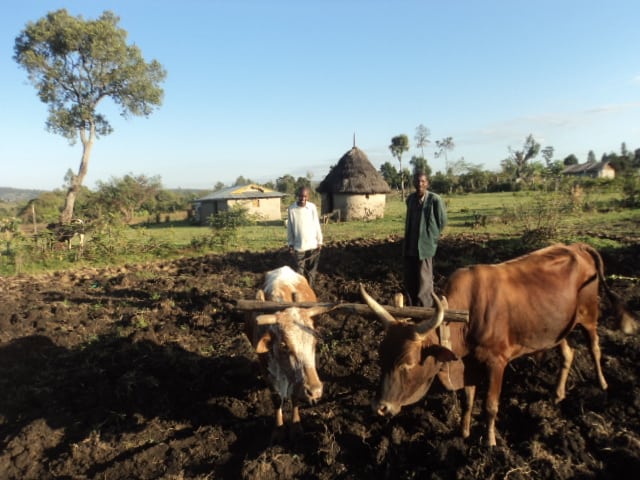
(585, 167)
(242, 192)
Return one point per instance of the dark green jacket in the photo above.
(432, 222)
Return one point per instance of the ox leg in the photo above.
(567, 356)
(594, 343)
(470, 395)
(496, 374)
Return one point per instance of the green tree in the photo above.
(591, 157)
(443, 146)
(286, 184)
(390, 175)
(422, 138)
(420, 164)
(570, 160)
(521, 158)
(128, 195)
(75, 64)
(399, 145)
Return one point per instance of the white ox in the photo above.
(286, 341)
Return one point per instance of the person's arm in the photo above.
(291, 238)
(318, 227)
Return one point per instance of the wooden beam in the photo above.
(359, 308)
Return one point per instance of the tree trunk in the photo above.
(76, 181)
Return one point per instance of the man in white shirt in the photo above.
(304, 235)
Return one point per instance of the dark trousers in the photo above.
(418, 281)
(307, 264)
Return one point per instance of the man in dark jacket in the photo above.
(426, 218)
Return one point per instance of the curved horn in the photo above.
(313, 311)
(429, 324)
(260, 295)
(386, 318)
(266, 319)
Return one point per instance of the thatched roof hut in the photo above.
(354, 188)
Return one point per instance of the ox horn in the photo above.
(266, 319)
(313, 311)
(429, 324)
(386, 318)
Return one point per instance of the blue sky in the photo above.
(267, 88)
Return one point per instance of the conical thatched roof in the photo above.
(354, 173)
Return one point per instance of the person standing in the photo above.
(425, 219)
(304, 235)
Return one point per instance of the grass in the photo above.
(596, 218)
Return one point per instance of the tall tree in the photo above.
(420, 165)
(521, 158)
(399, 145)
(591, 157)
(422, 138)
(75, 64)
(445, 145)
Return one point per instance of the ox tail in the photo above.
(627, 321)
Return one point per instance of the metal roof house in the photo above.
(260, 201)
(591, 169)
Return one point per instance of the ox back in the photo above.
(522, 306)
(285, 342)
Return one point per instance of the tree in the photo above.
(521, 158)
(75, 64)
(129, 195)
(420, 165)
(445, 145)
(570, 160)
(390, 175)
(422, 138)
(286, 184)
(399, 145)
(591, 157)
(547, 154)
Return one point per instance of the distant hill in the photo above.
(18, 195)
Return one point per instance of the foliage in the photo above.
(225, 224)
(422, 138)
(75, 64)
(128, 196)
(399, 145)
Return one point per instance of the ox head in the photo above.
(409, 356)
(288, 341)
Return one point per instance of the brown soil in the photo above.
(142, 372)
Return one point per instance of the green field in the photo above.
(596, 218)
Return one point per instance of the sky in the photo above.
(262, 89)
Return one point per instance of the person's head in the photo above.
(420, 182)
(302, 196)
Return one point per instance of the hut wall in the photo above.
(357, 207)
(266, 208)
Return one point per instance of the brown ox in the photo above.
(286, 341)
(522, 306)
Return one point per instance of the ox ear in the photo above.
(439, 353)
(264, 343)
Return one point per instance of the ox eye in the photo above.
(284, 347)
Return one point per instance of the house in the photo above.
(591, 169)
(353, 189)
(260, 201)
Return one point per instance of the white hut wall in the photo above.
(359, 207)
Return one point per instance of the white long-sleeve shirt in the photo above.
(303, 227)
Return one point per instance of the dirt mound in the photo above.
(143, 372)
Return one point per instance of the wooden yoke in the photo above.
(359, 308)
